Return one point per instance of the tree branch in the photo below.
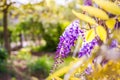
(8, 5)
(5, 6)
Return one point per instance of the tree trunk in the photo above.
(6, 34)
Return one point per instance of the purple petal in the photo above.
(88, 2)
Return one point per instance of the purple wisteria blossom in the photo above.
(88, 2)
(89, 69)
(68, 38)
(87, 48)
(114, 44)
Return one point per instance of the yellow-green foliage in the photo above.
(96, 12)
(98, 18)
(110, 71)
(90, 35)
(101, 32)
(62, 70)
(108, 6)
(84, 17)
(110, 23)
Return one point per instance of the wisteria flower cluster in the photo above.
(67, 40)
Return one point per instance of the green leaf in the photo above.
(108, 6)
(110, 23)
(90, 35)
(84, 17)
(95, 12)
(101, 32)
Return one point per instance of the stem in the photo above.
(77, 47)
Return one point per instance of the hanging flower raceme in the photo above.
(67, 40)
(88, 2)
(87, 48)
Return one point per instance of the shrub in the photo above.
(24, 54)
(3, 60)
(41, 66)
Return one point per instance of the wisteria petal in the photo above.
(88, 2)
(114, 44)
(87, 48)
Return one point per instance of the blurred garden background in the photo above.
(29, 34)
(30, 31)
